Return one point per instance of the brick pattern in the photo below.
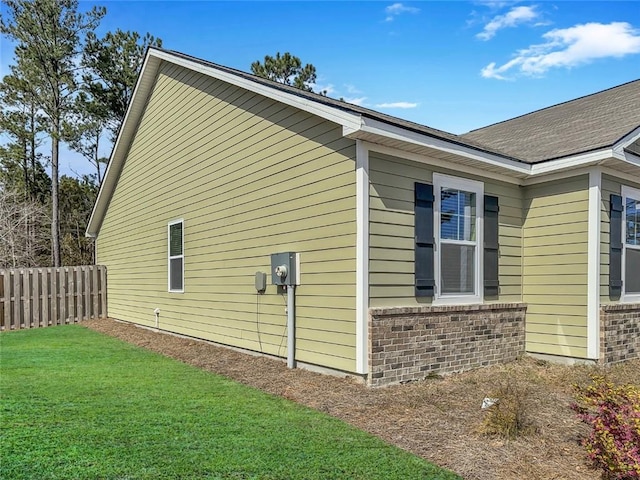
(410, 343)
(619, 332)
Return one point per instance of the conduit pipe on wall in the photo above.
(291, 326)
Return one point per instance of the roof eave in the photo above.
(627, 140)
(385, 130)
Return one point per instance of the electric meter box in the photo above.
(285, 268)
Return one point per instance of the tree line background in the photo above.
(68, 86)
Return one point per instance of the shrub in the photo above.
(509, 416)
(613, 413)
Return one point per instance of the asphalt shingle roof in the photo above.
(577, 126)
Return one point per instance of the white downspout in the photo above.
(291, 326)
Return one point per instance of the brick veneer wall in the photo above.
(409, 343)
(619, 332)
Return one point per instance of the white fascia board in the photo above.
(362, 258)
(593, 264)
(557, 175)
(377, 127)
(121, 145)
(574, 161)
(435, 162)
(627, 140)
(630, 157)
(333, 114)
(617, 151)
(575, 165)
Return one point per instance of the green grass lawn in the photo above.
(79, 405)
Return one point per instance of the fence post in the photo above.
(87, 293)
(63, 296)
(17, 299)
(35, 288)
(6, 285)
(80, 293)
(103, 289)
(94, 291)
(7, 299)
(26, 298)
(55, 318)
(73, 292)
(45, 297)
(3, 299)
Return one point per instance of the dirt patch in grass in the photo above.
(438, 419)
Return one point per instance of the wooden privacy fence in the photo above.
(42, 297)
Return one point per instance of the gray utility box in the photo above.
(285, 268)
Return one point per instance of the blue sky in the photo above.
(451, 65)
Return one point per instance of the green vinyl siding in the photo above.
(391, 235)
(250, 177)
(610, 185)
(555, 242)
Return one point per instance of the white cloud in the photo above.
(356, 101)
(328, 89)
(396, 9)
(496, 5)
(570, 47)
(397, 105)
(352, 89)
(512, 18)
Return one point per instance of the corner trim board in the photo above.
(593, 264)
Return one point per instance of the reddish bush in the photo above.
(613, 413)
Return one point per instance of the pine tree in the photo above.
(112, 65)
(49, 35)
(286, 69)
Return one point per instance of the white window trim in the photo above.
(169, 257)
(439, 181)
(635, 194)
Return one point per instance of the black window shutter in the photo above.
(615, 246)
(424, 251)
(491, 239)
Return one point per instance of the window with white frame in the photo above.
(631, 242)
(176, 256)
(458, 224)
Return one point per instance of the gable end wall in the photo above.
(250, 177)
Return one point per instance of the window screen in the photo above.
(176, 257)
(457, 241)
(632, 243)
